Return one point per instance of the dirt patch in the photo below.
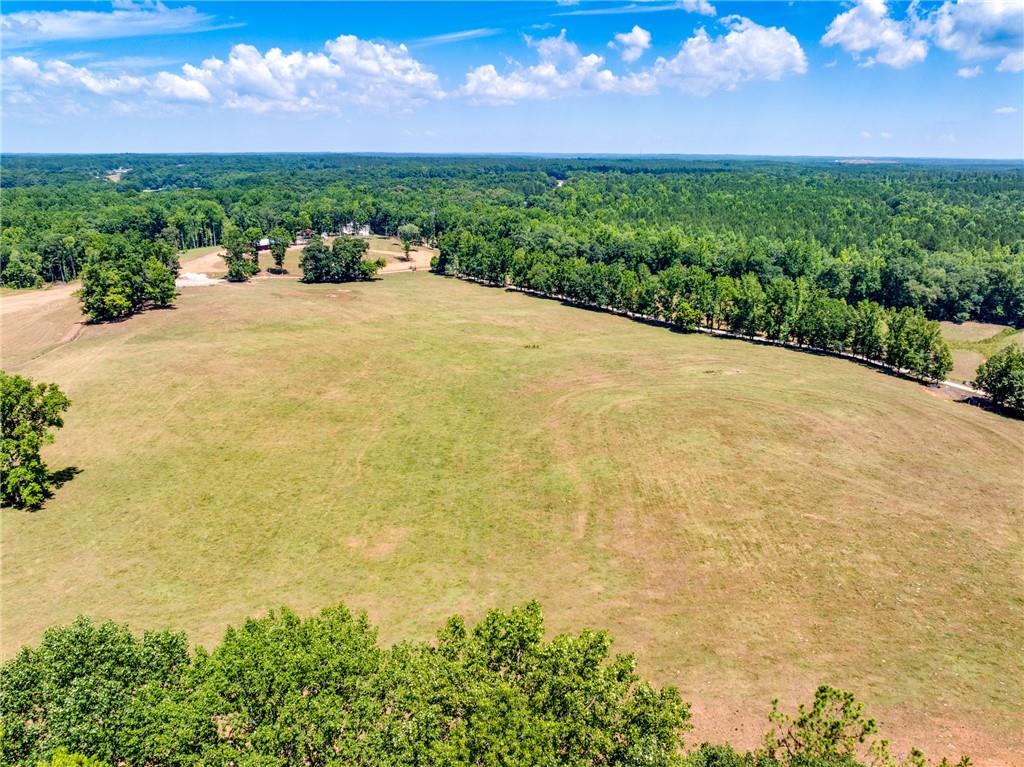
(380, 544)
(208, 264)
(195, 279)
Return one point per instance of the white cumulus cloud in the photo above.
(704, 64)
(702, 7)
(1005, 110)
(632, 43)
(347, 70)
(972, 30)
(868, 29)
(978, 29)
(545, 80)
(748, 51)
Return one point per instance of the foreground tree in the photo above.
(410, 235)
(28, 413)
(915, 343)
(252, 237)
(1001, 377)
(322, 691)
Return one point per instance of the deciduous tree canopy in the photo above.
(285, 691)
(28, 414)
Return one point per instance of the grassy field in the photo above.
(974, 342)
(749, 521)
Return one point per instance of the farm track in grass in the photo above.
(747, 520)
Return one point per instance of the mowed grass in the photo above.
(974, 342)
(749, 521)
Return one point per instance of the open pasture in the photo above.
(974, 342)
(749, 521)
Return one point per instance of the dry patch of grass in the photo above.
(750, 521)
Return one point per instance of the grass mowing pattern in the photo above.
(750, 521)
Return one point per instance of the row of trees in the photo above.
(784, 309)
(322, 691)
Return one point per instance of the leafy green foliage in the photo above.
(62, 758)
(121, 277)
(342, 262)
(28, 413)
(239, 253)
(1001, 376)
(410, 235)
(689, 296)
(89, 687)
(831, 730)
(281, 690)
(279, 240)
(22, 270)
(317, 692)
(944, 238)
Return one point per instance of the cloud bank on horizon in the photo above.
(722, 53)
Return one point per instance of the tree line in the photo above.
(281, 691)
(784, 309)
(944, 238)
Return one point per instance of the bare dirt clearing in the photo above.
(211, 264)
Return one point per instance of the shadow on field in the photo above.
(125, 318)
(987, 404)
(61, 477)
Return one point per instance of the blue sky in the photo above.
(865, 78)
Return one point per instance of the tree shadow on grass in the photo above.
(61, 477)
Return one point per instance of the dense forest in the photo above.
(947, 239)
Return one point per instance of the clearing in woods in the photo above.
(210, 260)
(974, 342)
(749, 521)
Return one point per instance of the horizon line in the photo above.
(521, 154)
